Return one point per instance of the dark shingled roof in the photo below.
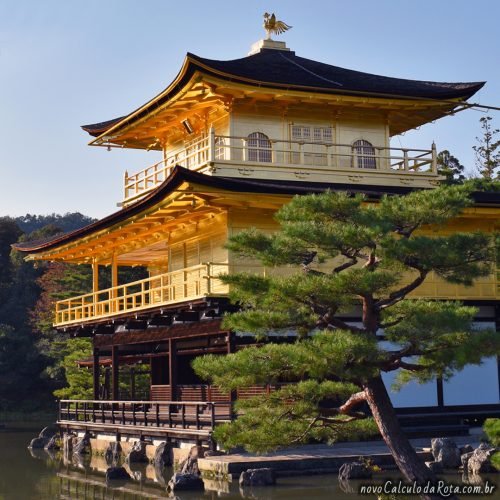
(287, 69)
(267, 186)
(280, 69)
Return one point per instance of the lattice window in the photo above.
(315, 144)
(259, 147)
(220, 148)
(363, 154)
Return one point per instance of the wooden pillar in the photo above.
(440, 392)
(132, 383)
(115, 366)
(114, 283)
(95, 276)
(230, 349)
(172, 368)
(95, 372)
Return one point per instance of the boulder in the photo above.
(257, 477)
(53, 443)
(464, 458)
(354, 470)
(479, 462)
(163, 456)
(466, 449)
(190, 465)
(117, 473)
(82, 445)
(445, 450)
(113, 453)
(48, 432)
(185, 482)
(435, 467)
(38, 443)
(137, 453)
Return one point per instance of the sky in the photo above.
(64, 63)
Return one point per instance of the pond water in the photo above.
(26, 475)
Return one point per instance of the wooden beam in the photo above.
(96, 372)
(115, 366)
(172, 368)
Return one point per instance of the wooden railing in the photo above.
(194, 415)
(212, 149)
(177, 286)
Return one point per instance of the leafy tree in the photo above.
(21, 387)
(450, 167)
(372, 257)
(488, 150)
(79, 381)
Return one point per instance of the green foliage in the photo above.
(79, 381)
(492, 429)
(334, 253)
(488, 150)
(450, 167)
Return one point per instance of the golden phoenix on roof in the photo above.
(272, 25)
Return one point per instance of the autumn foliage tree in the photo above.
(372, 257)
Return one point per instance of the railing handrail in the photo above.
(122, 401)
(137, 282)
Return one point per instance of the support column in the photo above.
(95, 276)
(114, 283)
(96, 372)
(115, 366)
(172, 368)
(232, 395)
(132, 383)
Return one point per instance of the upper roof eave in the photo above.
(448, 93)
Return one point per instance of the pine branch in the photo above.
(400, 294)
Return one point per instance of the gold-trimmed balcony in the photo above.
(174, 287)
(261, 157)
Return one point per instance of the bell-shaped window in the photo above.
(363, 154)
(259, 147)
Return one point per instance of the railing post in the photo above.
(434, 158)
(244, 150)
(125, 183)
(211, 145)
(405, 160)
(209, 279)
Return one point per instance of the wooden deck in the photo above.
(188, 419)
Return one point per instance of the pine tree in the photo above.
(450, 167)
(335, 253)
(488, 150)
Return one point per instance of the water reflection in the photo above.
(37, 474)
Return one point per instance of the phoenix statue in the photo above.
(272, 25)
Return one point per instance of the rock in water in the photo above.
(257, 477)
(435, 467)
(48, 432)
(37, 443)
(43, 438)
(82, 446)
(445, 450)
(479, 462)
(53, 443)
(185, 482)
(113, 452)
(137, 453)
(163, 456)
(190, 465)
(354, 470)
(117, 473)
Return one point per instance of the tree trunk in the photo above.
(406, 458)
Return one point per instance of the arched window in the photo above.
(259, 147)
(364, 153)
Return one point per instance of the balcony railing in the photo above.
(177, 286)
(243, 152)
